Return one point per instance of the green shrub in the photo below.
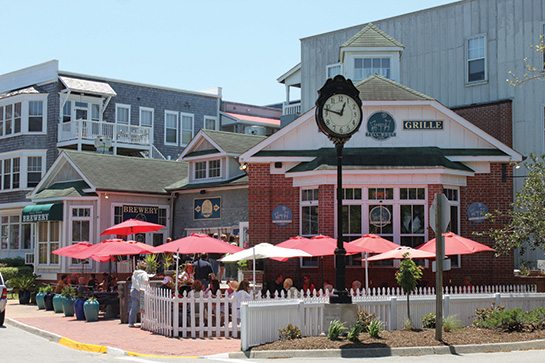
(11, 272)
(483, 314)
(450, 323)
(335, 329)
(375, 328)
(69, 292)
(428, 321)
(354, 333)
(49, 289)
(290, 332)
(21, 283)
(12, 261)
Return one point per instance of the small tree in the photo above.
(531, 72)
(407, 277)
(524, 224)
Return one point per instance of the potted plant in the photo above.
(23, 285)
(91, 308)
(57, 303)
(69, 297)
(167, 262)
(48, 298)
(78, 307)
(152, 262)
(40, 298)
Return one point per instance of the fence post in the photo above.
(393, 313)
(446, 305)
(243, 326)
(176, 316)
(497, 298)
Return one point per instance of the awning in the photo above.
(88, 87)
(42, 212)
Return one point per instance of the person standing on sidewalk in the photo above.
(139, 280)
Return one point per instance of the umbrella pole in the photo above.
(253, 263)
(366, 274)
(176, 273)
(323, 282)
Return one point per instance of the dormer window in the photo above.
(208, 169)
(366, 67)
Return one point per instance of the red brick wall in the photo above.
(493, 118)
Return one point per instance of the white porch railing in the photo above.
(86, 130)
(257, 320)
(291, 108)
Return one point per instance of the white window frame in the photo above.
(71, 102)
(484, 58)
(121, 106)
(24, 100)
(309, 262)
(80, 218)
(49, 242)
(182, 130)
(146, 109)
(372, 58)
(207, 169)
(211, 118)
(23, 156)
(177, 128)
(6, 223)
(329, 67)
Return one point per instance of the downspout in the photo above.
(172, 198)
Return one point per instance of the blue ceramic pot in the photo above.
(91, 310)
(78, 309)
(40, 300)
(57, 303)
(68, 306)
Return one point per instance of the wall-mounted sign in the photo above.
(141, 212)
(423, 125)
(207, 208)
(281, 215)
(381, 126)
(476, 212)
(380, 216)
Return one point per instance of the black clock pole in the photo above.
(340, 295)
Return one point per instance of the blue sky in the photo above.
(242, 46)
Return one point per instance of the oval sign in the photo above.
(476, 212)
(282, 215)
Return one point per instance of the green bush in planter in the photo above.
(69, 296)
(24, 286)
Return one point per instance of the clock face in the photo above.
(341, 114)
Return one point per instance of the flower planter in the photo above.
(91, 307)
(48, 301)
(57, 303)
(24, 297)
(78, 309)
(68, 306)
(40, 300)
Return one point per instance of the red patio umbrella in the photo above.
(68, 251)
(132, 226)
(397, 254)
(376, 244)
(112, 247)
(456, 245)
(197, 243)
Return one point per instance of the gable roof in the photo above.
(378, 88)
(372, 37)
(225, 142)
(64, 189)
(124, 173)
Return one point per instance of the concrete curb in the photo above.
(387, 352)
(83, 346)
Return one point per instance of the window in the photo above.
(210, 123)
(309, 212)
(333, 69)
(14, 235)
(146, 116)
(48, 241)
(34, 174)
(35, 116)
(208, 169)
(11, 118)
(352, 194)
(81, 226)
(122, 114)
(67, 112)
(366, 67)
(310, 195)
(187, 128)
(171, 127)
(142, 237)
(381, 193)
(476, 59)
(454, 201)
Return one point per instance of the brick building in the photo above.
(390, 176)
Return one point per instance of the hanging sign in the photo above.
(207, 208)
(476, 212)
(381, 126)
(144, 213)
(423, 125)
(282, 215)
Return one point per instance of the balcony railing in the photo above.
(86, 131)
(291, 109)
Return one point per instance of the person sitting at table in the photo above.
(92, 283)
(242, 294)
(213, 288)
(202, 269)
(356, 286)
(308, 287)
(291, 291)
(62, 283)
(187, 277)
(166, 284)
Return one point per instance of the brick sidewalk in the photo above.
(113, 334)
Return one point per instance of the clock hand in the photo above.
(342, 109)
(337, 112)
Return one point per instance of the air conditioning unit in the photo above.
(256, 130)
(29, 259)
(103, 144)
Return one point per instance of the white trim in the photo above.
(125, 107)
(24, 100)
(213, 118)
(196, 142)
(149, 109)
(172, 113)
(467, 82)
(329, 66)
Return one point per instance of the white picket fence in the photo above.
(196, 315)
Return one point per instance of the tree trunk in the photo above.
(408, 311)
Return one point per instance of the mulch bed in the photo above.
(406, 338)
